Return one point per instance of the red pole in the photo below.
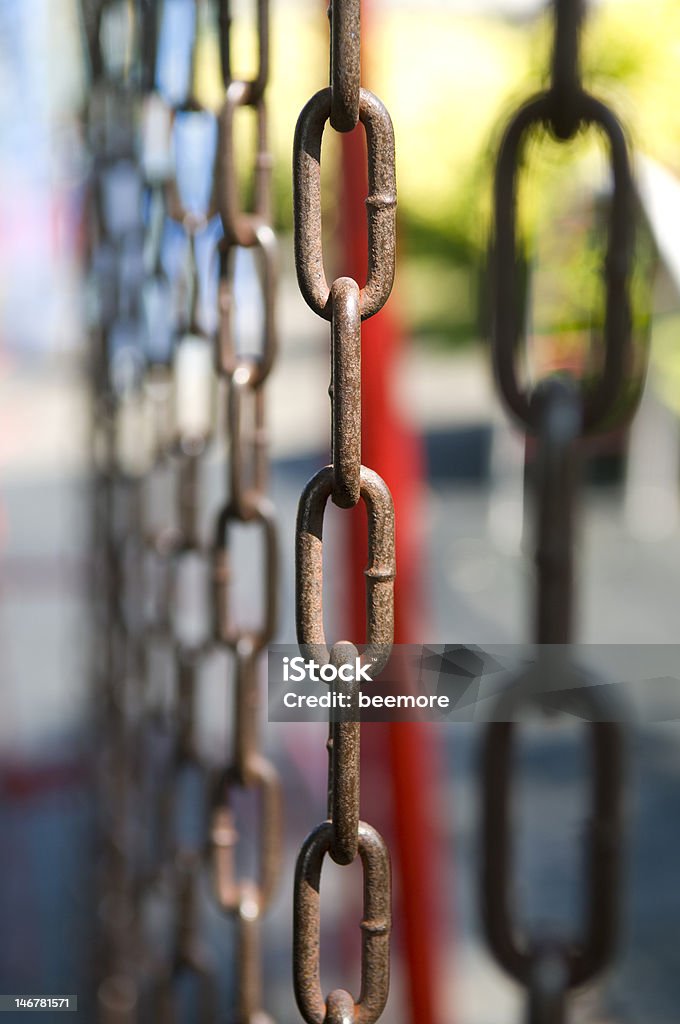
(390, 446)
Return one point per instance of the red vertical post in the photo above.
(391, 447)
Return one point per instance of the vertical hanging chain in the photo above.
(156, 418)
(243, 376)
(346, 482)
(559, 412)
(115, 252)
(179, 390)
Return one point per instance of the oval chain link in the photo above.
(381, 203)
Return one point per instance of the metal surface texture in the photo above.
(558, 412)
(339, 1005)
(173, 388)
(381, 203)
(344, 750)
(346, 481)
(379, 572)
(345, 392)
(345, 23)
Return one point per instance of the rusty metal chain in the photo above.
(559, 411)
(346, 481)
(181, 388)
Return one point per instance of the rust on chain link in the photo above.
(602, 398)
(375, 928)
(345, 71)
(343, 767)
(229, 360)
(343, 789)
(259, 513)
(345, 391)
(380, 571)
(249, 897)
(586, 957)
(245, 705)
(380, 203)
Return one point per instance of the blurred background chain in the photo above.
(558, 412)
(174, 387)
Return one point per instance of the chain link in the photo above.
(346, 481)
(345, 69)
(608, 399)
(381, 203)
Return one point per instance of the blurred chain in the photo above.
(175, 393)
(114, 312)
(246, 897)
(558, 411)
(346, 482)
